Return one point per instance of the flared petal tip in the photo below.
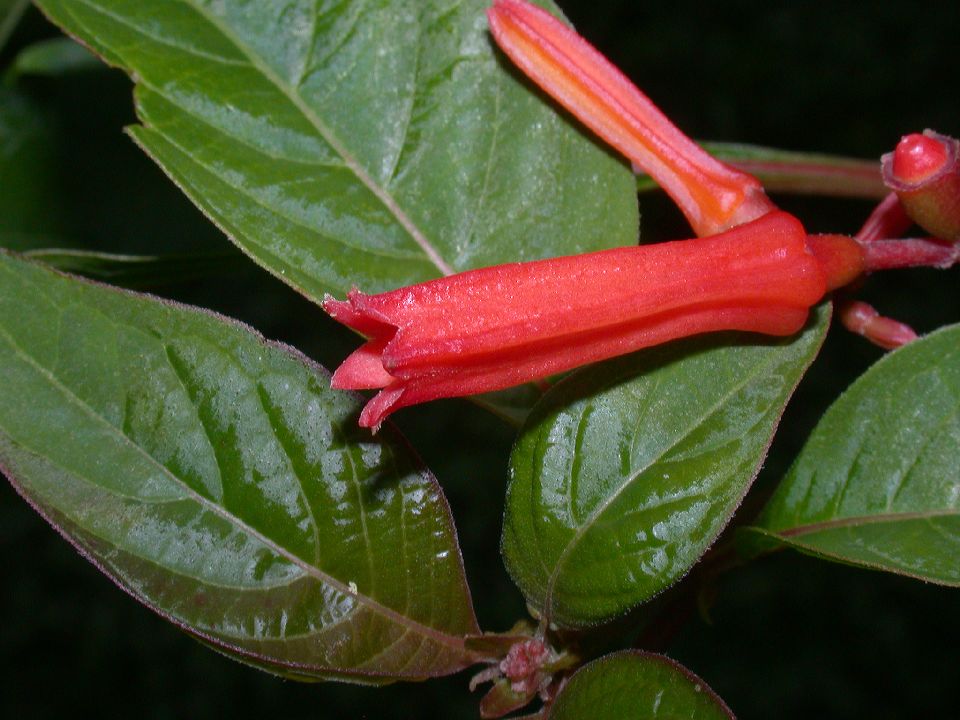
(342, 311)
(377, 410)
(362, 370)
(355, 312)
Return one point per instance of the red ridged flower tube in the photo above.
(924, 172)
(492, 328)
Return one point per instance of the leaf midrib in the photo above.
(861, 520)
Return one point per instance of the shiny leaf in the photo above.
(637, 685)
(216, 478)
(373, 144)
(878, 482)
(627, 472)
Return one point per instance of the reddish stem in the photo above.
(860, 318)
(888, 220)
(910, 252)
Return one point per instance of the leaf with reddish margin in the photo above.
(216, 478)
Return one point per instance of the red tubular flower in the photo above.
(924, 172)
(500, 326)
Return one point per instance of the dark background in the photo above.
(789, 636)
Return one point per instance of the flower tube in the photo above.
(495, 327)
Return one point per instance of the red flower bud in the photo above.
(500, 326)
(924, 172)
(862, 319)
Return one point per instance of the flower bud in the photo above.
(924, 172)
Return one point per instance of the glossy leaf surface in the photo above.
(878, 482)
(636, 685)
(374, 144)
(217, 479)
(627, 472)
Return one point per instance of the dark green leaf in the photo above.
(29, 201)
(218, 479)
(142, 271)
(634, 684)
(374, 144)
(627, 472)
(57, 56)
(10, 13)
(878, 483)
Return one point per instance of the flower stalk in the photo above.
(862, 319)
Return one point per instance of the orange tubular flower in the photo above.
(712, 195)
(496, 327)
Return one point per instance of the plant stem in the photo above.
(798, 173)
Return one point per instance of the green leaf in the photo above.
(374, 144)
(10, 13)
(142, 271)
(57, 56)
(878, 482)
(216, 478)
(634, 684)
(626, 472)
